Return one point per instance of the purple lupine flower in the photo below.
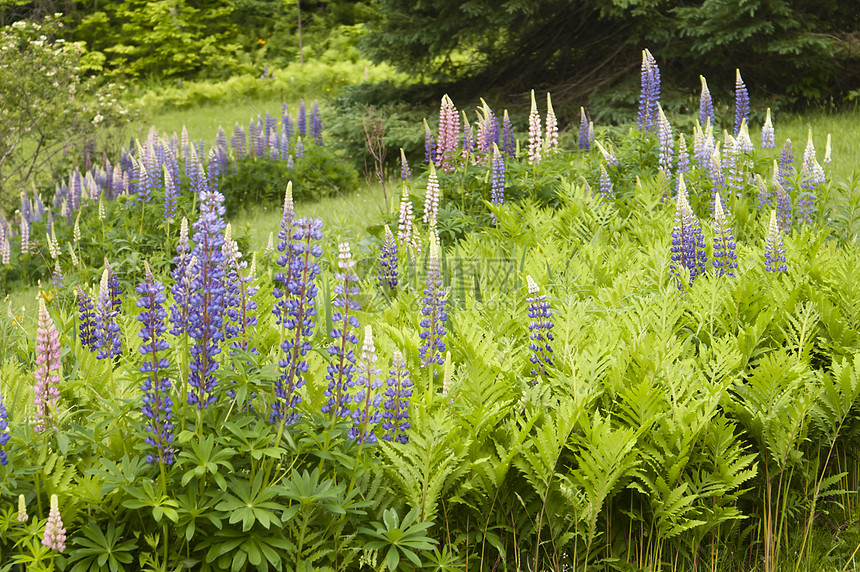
(429, 144)
(786, 167)
(488, 130)
(432, 196)
(608, 154)
(774, 250)
(108, 341)
(206, 299)
(157, 404)
(238, 142)
(509, 142)
(54, 536)
(783, 208)
(540, 329)
(300, 148)
(688, 243)
(405, 171)
(468, 144)
(47, 375)
(181, 288)
(86, 319)
(395, 419)
(742, 102)
(114, 290)
(703, 144)
(295, 312)
(667, 144)
(535, 143)
(316, 123)
(706, 104)
(683, 155)
(388, 262)
(342, 367)
(718, 181)
(433, 324)
(497, 185)
(170, 194)
(238, 304)
(725, 259)
(584, 140)
(809, 181)
(449, 128)
(730, 166)
(4, 434)
(649, 97)
(301, 120)
(57, 275)
(768, 136)
(764, 194)
(605, 183)
(367, 397)
(551, 142)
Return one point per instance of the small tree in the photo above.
(49, 108)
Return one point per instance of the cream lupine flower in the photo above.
(535, 142)
(551, 144)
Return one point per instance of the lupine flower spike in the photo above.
(405, 171)
(433, 324)
(534, 133)
(46, 389)
(108, 341)
(406, 232)
(4, 433)
(508, 140)
(774, 249)
(667, 147)
(429, 144)
(86, 319)
(786, 167)
(649, 97)
(768, 136)
(540, 329)
(742, 102)
(725, 259)
(157, 403)
(827, 151)
(551, 127)
(431, 198)
(367, 398)
(706, 104)
(605, 183)
(396, 416)
(497, 185)
(388, 262)
(55, 534)
(584, 139)
(22, 509)
(688, 244)
(342, 367)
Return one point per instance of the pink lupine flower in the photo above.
(47, 368)
(55, 534)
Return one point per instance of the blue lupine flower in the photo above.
(388, 262)
(667, 144)
(730, 167)
(367, 397)
(497, 185)
(688, 243)
(706, 104)
(171, 191)
(810, 180)
(649, 97)
(395, 418)
(774, 250)
(725, 259)
(509, 142)
(239, 305)
(157, 404)
(433, 324)
(316, 124)
(768, 137)
(300, 148)
(429, 144)
(783, 208)
(683, 155)
(540, 329)
(181, 283)
(605, 183)
(108, 342)
(584, 139)
(206, 299)
(114, 289)
(763, 190)
(786, 167)
(742, 102)
(301, 120)
(342, 367)
(405, 171)
(4, 434)
(86, 319)
(294, 310)
(238, 142)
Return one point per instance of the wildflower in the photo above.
(608, 154)
(605, 183)
(294, 310)
(584, 140)
(812, 176)
(22, 509)
(429, 144)
(4, 433)
(667, 147)
(774, 250)
(181, 288)
(742, 102)
(827, 151)
(649, 97)
(396, 416)
(745, 144)
(316, 124)
(157, 403)
(47, 375)
(300, 148)
(239, 304)
(540, 328)
(388, 262)
(114, 290)
(25, 235)
(725, 259)
(706, 104)
(488, 128)
(55, 534)
(551, 144)
(786, 167)
(763, 191)
(433, 324)
(534, 133)
(341, 369)
(107, 333)
(688, 244)
(683, 155)
(768, 137)
(449, 127)
(405, 171)
(86, 319)
(468, 144)
(431, 198)
(301, 120)
(497, 185)
(367, 399)
(508, 141)
(783, 208)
